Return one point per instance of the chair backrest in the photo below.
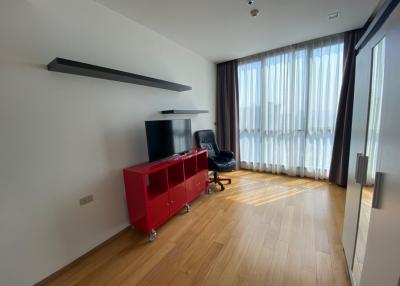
(206, 139)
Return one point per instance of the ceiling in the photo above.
(221, 30)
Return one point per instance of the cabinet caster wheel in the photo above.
(188, 208)
(153, 235)
(208, 191)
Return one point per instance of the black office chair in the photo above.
(218, 160)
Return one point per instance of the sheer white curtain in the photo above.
(287, 108)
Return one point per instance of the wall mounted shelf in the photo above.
(177, 111)
(79, 68)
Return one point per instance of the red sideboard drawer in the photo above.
(195, 186)
(190, 188)
(201, 181)
(158, 210)
(177, 198)
(203, 177)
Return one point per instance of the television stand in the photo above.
(156, 191)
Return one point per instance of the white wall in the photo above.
(64, 136)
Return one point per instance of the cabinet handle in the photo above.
(377, 190)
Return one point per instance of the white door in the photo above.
(372, 150)
(382, 256)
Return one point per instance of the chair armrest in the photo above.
(226, 154)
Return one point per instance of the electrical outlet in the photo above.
(86, 200)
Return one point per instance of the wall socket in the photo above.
(86, 200)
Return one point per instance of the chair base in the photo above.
(218, 180)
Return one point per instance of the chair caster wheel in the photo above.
(153, 235)
(188, 208)
(208, 191)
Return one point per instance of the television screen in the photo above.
(168, 137)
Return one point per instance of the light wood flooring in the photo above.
(263, 229)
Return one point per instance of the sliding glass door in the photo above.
(288, 102)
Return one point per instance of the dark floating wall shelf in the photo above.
(73, 67)
(177, 111)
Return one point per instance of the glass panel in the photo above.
(371, 150)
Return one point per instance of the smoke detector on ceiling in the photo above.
(254, 12)
(251, 2)
(333, 15)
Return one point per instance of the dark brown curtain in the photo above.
(228, 108)
(341, 143)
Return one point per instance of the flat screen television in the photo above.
(166, 138)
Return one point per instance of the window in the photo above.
(287, 108)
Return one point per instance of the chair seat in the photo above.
(222, 164)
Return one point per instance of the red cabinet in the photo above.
(156, 191)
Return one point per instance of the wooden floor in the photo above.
(262, 230)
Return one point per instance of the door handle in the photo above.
(364, 170)
(357, 172)
(376, 202)
(361, 168)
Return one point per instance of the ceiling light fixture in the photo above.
(254, 12)
(251, 2)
